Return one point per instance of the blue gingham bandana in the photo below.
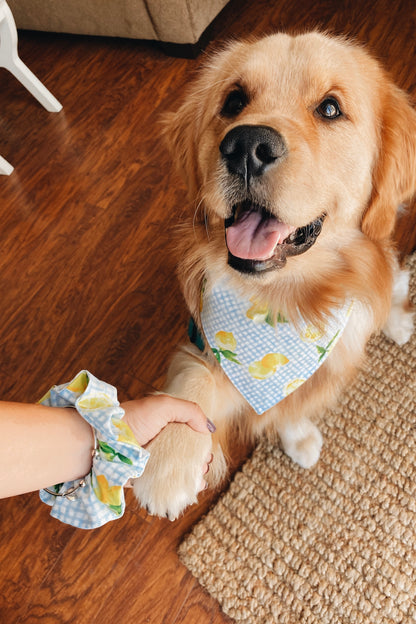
(118, 456)
(265, 358)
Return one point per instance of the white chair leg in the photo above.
(5, 167)
(9, 58)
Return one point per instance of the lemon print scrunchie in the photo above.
(98, 498)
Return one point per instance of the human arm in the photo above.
(46, 445)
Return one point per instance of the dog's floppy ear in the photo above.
(179, 130)
(394, 175)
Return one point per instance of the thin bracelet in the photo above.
(82, 482)
(69, 493)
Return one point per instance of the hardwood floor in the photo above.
(86, 282)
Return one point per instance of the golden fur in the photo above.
(357, 169)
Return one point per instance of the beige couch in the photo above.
(169, 21)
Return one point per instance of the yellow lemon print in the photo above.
(79, 384)
(95, 402)
(311, 334)
(258, 311)
(258, 371)
(225, 340)
(267, 366)
(126, 435)
(292, 386)
(107, 494)
(272, 360)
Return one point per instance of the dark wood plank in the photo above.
(199, 607)
(86, 281)
(68, 579)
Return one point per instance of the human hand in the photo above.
(146, 417)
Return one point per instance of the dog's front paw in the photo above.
(174, 472)
(400, 325)
(302, 441)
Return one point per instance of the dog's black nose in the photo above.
(250, 150)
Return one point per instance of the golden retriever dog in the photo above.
(298, 152)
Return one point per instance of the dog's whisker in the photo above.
(196, 214)
(206, 222)
(205, 218)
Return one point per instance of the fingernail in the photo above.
(210, 426)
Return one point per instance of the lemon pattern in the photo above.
(110, 495)
(265, 356)
(293, 385)
(267, 366)
(259, 312)
(226, 345)
(117, 458)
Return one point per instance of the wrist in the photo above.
(133, 418)
(54, 444)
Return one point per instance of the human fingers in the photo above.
(189, 413)
(149, 415)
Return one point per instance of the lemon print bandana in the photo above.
(265, 358)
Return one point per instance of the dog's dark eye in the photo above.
(235, 101)
(329, 109)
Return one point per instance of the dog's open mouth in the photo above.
(257, 241)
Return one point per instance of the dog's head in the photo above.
(291, 145)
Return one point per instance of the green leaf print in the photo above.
(111, 454)
(279, 318)
(124, 459)
(107, 450)
(116, 508)
(229, 355)
(217, 354)
(324, 350)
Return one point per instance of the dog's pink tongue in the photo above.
(252, 237)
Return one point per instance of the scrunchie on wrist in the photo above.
(98, 498)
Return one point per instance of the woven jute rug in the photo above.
(335, 544)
